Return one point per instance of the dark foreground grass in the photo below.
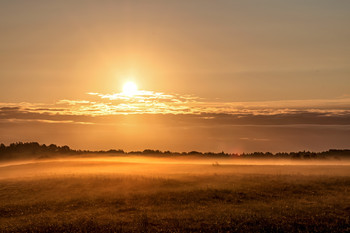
(216, 202)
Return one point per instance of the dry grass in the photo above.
(173, 198)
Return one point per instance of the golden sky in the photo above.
(211, 75)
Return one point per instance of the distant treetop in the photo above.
(34, 149)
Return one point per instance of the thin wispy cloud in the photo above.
(149, 102)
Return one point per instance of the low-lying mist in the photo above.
(174, 166)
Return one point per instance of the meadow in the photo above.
(137, 194)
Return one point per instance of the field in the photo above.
(173, 195)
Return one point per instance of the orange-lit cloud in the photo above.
(158, 103)
(333, 111)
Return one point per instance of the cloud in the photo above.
(255, 139)
(12, 120)
(97, 106)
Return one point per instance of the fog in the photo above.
(166, 167)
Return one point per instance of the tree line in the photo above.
(34, 149)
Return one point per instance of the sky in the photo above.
(238, 76)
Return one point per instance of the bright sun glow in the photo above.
(129, 89)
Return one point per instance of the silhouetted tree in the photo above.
(20, 149)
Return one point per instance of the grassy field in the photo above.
(150, 195)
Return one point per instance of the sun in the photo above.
(129, 89)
